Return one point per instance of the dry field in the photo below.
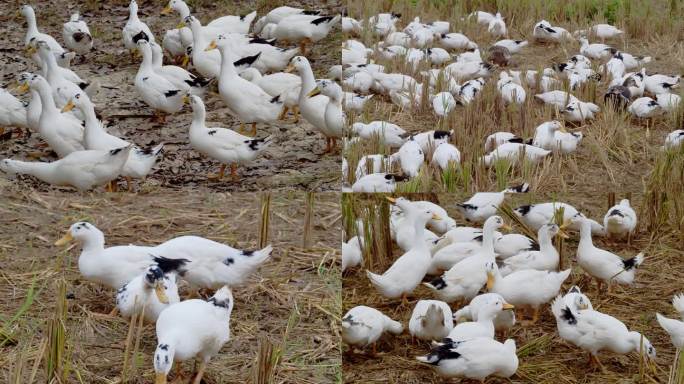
(294, 161)
(54, 324)
(619, 155)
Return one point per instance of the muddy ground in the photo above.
(295, 160)
(292, 300)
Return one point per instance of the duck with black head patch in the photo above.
(192, 329)
(305, 29)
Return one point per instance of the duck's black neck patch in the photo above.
(568, 316)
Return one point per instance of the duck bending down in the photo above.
(536, 215)
(362, 326)
(82, 170)
(140, 160)
(210, 264)
(222, 144)
(192, 329)
(490, 308)
(157, 92)
(602, 265)
(280, 83)
(620, 220)
(305, 29)
(483, 205)
(503, 321)
(246, 100)
(179, 77)
(476, 358)
(408, 270)
(152, 291)
(335, 118)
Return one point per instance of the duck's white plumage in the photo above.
(151, 292)
(158, 92)
(536, 215)
(364, 325)
(674, 327)
(33, 34)
(503, 321)
(13, 112)
(431, 320)
(192, 329)
(77, 35)
(551, 135)
(135, 29)
(513, 151)
(210, 264)
(279, 83)
(81, 169)
(376, 183)
(483, 205)
(544, 259)
(352, 254)
(620, 219)
(179, 77)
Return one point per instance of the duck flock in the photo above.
(238, 55)
(480, 277)
(428, 65)
(147, 286)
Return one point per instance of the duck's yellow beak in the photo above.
(211, 46)
(186, 60)
(181, 25)
(490, 281)
(562, 129)
(314, 92)
(563, 234)
(30, 50)
(22, 88)
(166, 10)
(68, 107)
(66, 239)
(506, 227)
(565, 224)
(508, 306)
(161, 294)
(391, 199)
(290, 68)
(186, 99)
(436, 217)
(160, 378)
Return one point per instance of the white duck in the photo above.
(402, 224)
(513, 46)
(335, 118)
(410, 158)
(443, 103)
(77, 35)
(33, 34)
(606, 31)
(362, 326)
(510, 92)
(658, 83)
(62, 132)
(504, 320)
(373, 164)
(192, 329)
(566, 309)
(62, 88)
(179, 77)
(602, 265)
(135, 30)
(594, 331)
(511, 244)
(490, 307)
(446, 155)
(620, 220)
(211, 264)
(466, 278)
(408, 270)
(497, 26)
(82, 170)
(579, 111)
(526, 287)
(13, 112)
(595, 51)
(674, 139)
(544, 259)
(249, 102)
(304, 29)
(675, 328)
(377, 183)
(551, 135)
(559, 99)
(352, 254)
(483, 205)
(152, 292)
(140, 161)
(456, 41)
(431, 320)
(669, 102)
(279, 83)
(222, 144)
(543, 31)
(536, 215)
(475, 359)
(513, 151)
(223, 24)
(157, 92)
(390, 134)
(645, 107)
(311, 108)
(497, 138)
